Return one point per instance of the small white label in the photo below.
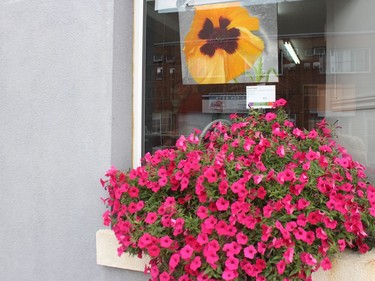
(262, 96)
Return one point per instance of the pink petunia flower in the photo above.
(312, 134)
(151, 218)
(267, 211)
(184, 183)
(288, 255)
(154, 271)
(310, 237)
(312, 155)
(164, 276)
(223, 187)
(300, 234)
(288, 123)
(181, 143)
(270, 116)
(210, 222)
(202, 238)
(222, 204)
(260, 166)
(314, 217)
(228, 275)
(202, 212)
(106, 218)
(221, 228)
(342, 244)
(153, 250)
(178, 225)
(266, 232)
(308, 259)
(231, 263)
(211, 257)
(280, 103)
(258, 178)
(290, 226)
(166, 241)
(196, 263)
(363, 248)
(261, 192)
(326, 264)
(241, 238)
(302, 203)
(184, 277)
(140, 205)
(280, 151)
(298, 133)
(210, 174)
(186, 252)
(144, 240)
(281, 267)
(133, 192)
(306, 166)
(250, 252)
(330, 223)
(248, 144)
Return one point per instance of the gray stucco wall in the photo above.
(65, 117)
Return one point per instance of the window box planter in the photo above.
(348, 266)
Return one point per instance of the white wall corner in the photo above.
(106, 253)
(349, 266)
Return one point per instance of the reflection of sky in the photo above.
(267, 15)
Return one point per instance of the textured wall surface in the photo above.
(58, 137)
(349, 266)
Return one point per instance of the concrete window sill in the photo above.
(348, 266)
(106, 253)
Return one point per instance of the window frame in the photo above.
(138, 78)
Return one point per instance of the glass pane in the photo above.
(333, 40)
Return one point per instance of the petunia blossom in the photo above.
(326, 264)
(250, 252)
(153, 250)
(222, 204)
(195, 263)
(232, 263)
(186, 252)
(288, 255)
(229, 275)
(164, 276)
(270, 116)
(151, 217)
(202, 212)
(166, 241)
(281, 267)
(308, 259)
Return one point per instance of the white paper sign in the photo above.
(261, 96)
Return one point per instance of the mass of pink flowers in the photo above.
(256, 200)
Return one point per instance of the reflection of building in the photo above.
(329, 81)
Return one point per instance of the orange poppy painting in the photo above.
(222, 44)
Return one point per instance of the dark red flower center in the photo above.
(218, 37)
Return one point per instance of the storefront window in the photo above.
(186, 85)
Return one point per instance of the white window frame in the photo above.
(138, 37)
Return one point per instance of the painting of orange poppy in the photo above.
(225, 43)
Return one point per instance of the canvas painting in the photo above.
(229, 43)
